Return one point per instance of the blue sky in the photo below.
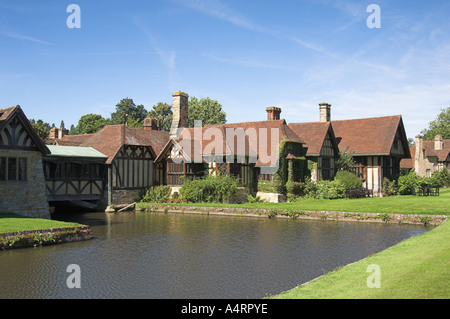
(247, 54)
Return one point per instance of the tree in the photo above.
(91, 123)
(42, 128)
(345, 161)
(163, 112)
(207, 110)
(126, 107)
(441, 125)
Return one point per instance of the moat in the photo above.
(166, 255)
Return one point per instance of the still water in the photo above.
(157, 255)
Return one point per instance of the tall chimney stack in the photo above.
(438, 142)
(418, 156)
(273, 113)
(180, 112)
(325, 112)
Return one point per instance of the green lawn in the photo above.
(417, 268)
(13, 222)
(432, 205)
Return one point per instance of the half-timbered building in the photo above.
(22, 185)
(130, 158)
(377, 144)
(75, 175)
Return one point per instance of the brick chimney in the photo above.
(325, 112)
(180, 112)
(151, 124)
(273, 113)
(438, 142)
(418, 156)
(57, 133)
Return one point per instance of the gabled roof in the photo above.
(369, 136)
(428, 151)
(8, 114)
(200, 143)
(110, 139)
(314, 134)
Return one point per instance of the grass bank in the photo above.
(405, 204)
(13, 223)
(19, 232)
(416, 268)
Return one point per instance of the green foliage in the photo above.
(162, 112)
(349, 179)
(406, 183)
(345, 161)
(267, 187)
(212, 189)
(91, 123)
(157, 194)
(441, 125)
(42, 128)
(255, 199)
(389, 187)
(441, 178)
(126, 108)
(330, 189)
(207, 110)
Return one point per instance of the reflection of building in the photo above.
(22, 185)
(429, 156)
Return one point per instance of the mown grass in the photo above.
(416, 268)
(405, 204)
(12, 222)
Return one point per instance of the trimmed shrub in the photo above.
(406, 183)
(349, 179)
(330, 189)
(212, 189)
(157, 194)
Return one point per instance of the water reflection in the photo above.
(156, 255)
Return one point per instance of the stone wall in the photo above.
(26, 198)
(125, 196)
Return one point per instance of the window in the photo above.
(2, 168)
(13, 169)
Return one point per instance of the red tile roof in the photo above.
(429, 151)
(258, 140)
(368, 136)
(110, 139)
(313, 134)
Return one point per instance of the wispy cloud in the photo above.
(15, 35)
(168, 58)
(218, 9)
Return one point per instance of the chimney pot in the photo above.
(325, 112)
(273, 113)
(438, 142)
(151, 124)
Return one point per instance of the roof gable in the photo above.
(370, 136)
(16, 131)
(314, 135)
(110, 139)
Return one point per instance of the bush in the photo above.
(212, 189)
(330, 189)
(406, 183)
(266, 187)
(310, 189)
(441, 178)
(157, 194)
(389, 187)
(349, 179)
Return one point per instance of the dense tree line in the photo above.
(205, 109)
